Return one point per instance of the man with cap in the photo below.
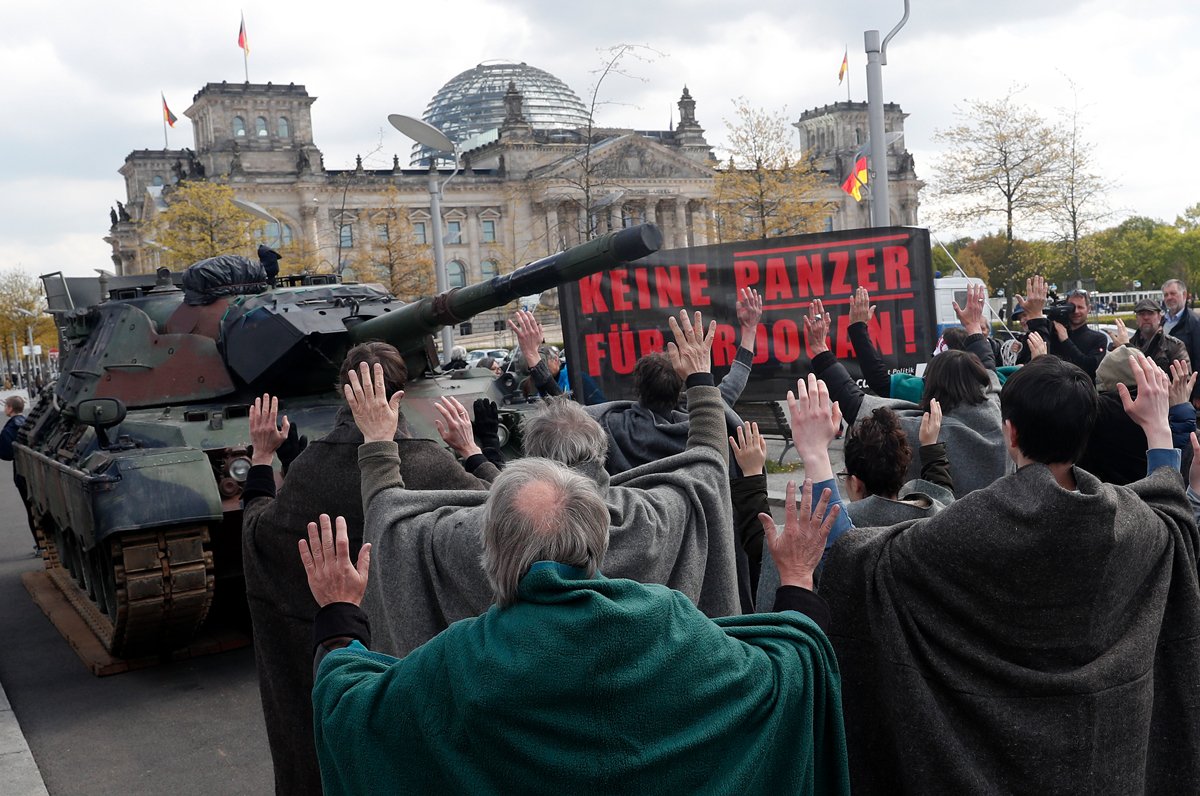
(1152, 341)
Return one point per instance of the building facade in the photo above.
(530, 184)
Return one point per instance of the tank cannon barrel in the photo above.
(407, 327)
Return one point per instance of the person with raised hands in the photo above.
(323, 479)
(656, 424)
(972, 641)
(671, 519)
(749, 495)
(964, 383)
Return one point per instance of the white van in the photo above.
(946, 291)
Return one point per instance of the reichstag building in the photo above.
(522, 135)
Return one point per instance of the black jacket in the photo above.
(1084, 346)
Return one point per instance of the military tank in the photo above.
(136, 455)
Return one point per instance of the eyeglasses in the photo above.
(1077, 292)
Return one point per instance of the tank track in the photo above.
(160, 590)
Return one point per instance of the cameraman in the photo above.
(1079, 345)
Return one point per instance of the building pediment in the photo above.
(626, 157)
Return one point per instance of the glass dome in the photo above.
(472, 103)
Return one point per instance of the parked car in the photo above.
(498, 354)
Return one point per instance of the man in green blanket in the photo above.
(572, 682)
(1041, 635)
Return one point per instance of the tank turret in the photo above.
(135, 455)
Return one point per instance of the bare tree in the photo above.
(1079, 205)
(1003, 162)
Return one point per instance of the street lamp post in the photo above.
(429, 136)
(881, 214)
(258, 211)
(29, 361)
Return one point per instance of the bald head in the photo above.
(538, 510)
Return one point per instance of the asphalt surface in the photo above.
(189, 727)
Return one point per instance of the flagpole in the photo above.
(246, 64)
(163, 97)
(847, 77)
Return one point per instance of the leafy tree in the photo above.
(1002, 162)
(392, 254)
(201, 221)
(766, 188)
(22, 304)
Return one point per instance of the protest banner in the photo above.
(613, 318)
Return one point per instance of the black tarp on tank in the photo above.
(227, 275)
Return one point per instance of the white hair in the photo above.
(538, 510)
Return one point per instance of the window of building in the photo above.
(239, 127)
(489, 230)
(260, 125)
(419, 232)
(488, 269)
(282, 126)
(381, 232)
(453, 232)
(158, 180)
(273, 235)
(346, 236)
(456, 274)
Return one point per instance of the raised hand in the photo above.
(1150, 408)
(265, 435)
(815, 421)
(529, 335)
(749, 449)
(861, 308)
(692, 350)
(798, 550)
(1182, 382)
(455, 426)
(332, 577)
(816, 328)
(1037, 346)
(1120, 335)
(375, 413)
(971, 316)
(749, 308)
(931, 423)
(1034, 300)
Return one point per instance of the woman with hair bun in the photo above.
(878, 455)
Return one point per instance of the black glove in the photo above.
(487, 423)
(292, 447)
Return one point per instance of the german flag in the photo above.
(168, 117)
(845, 66)
(858, 178)
(243, 39)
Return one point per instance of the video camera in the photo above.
(1058, 310)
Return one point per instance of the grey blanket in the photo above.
(671, 523)
(637, 435)
(973, 435)
(1026, 639)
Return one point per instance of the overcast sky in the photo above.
(82, 80)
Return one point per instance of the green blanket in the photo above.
(588, 686)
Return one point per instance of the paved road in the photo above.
(192, 727)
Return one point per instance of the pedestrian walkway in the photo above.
(18, 770)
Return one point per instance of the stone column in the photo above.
(700, 217)
(553, 233)
(679, 236)
(650, 212)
